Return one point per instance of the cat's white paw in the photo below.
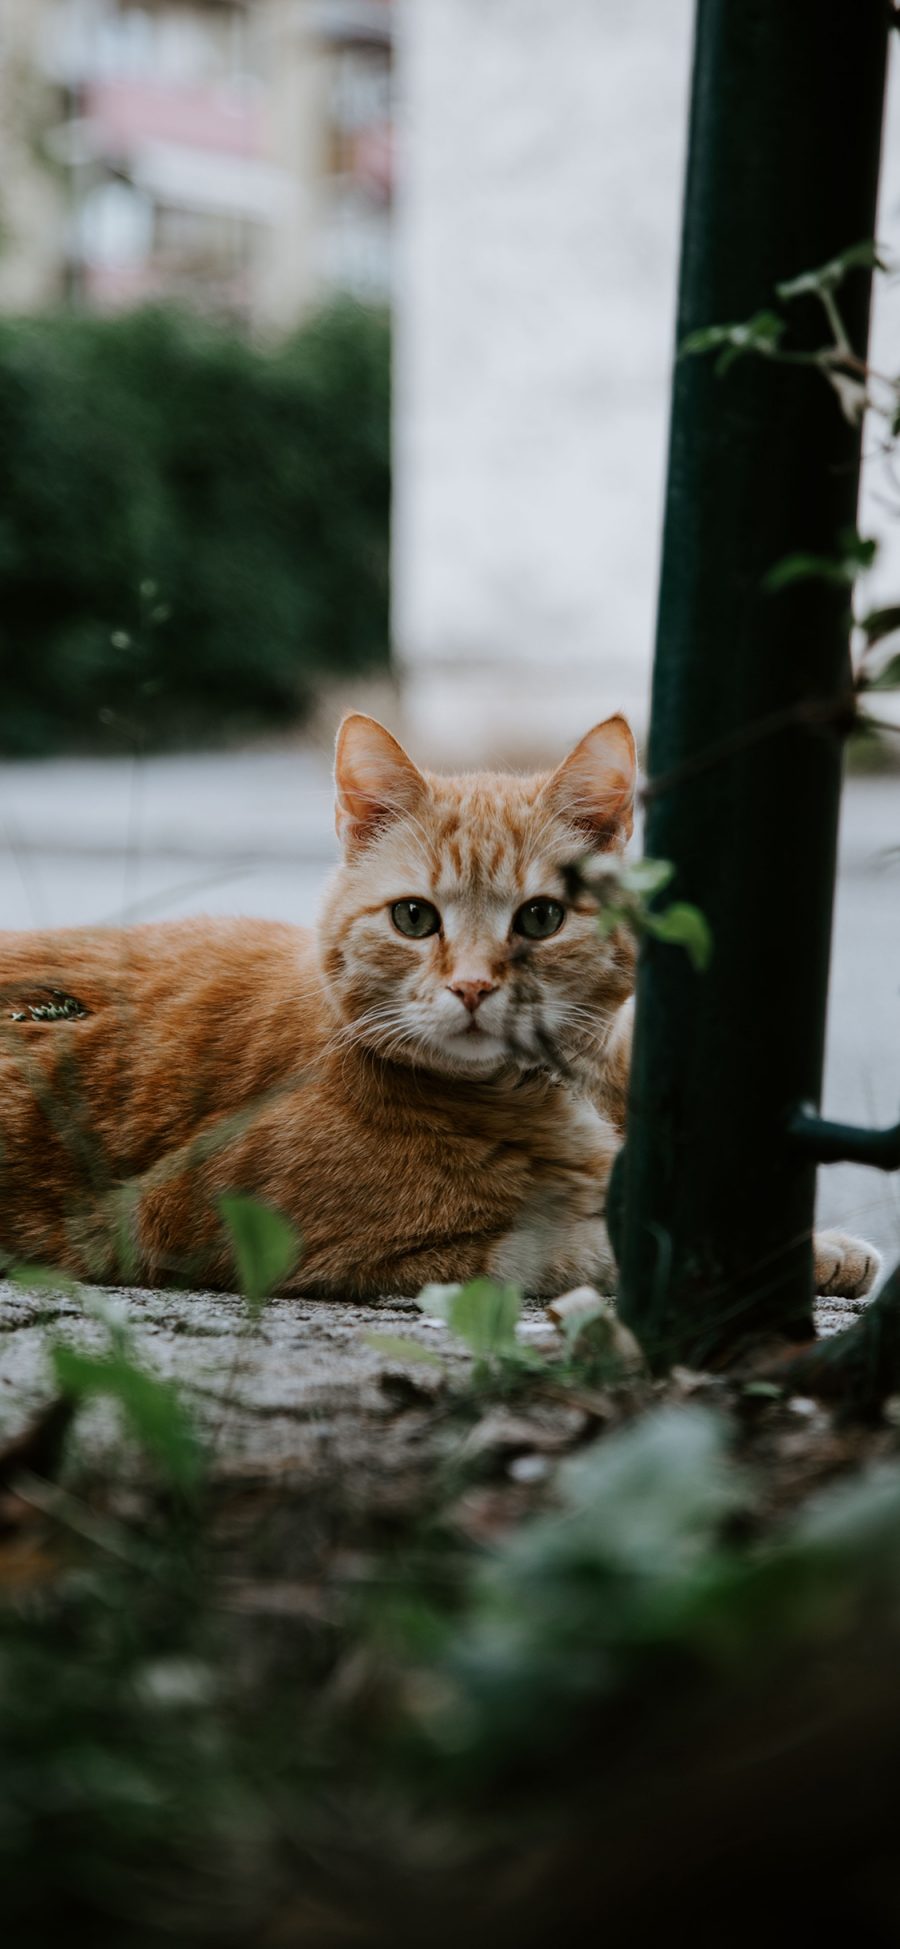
(543, 1258)
(845, 1267)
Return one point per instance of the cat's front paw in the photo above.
(845, 1267)
(544, 1260)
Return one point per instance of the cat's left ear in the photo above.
(375, 781)
(594, 787)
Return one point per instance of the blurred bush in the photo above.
(193, 530)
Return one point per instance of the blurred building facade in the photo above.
(234, 154)
(239, 155)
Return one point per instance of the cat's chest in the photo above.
(507, 1139)
(520, 1181)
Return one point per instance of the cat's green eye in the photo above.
(415, 918)
(538, 919)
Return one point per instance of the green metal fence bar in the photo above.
(751, 692)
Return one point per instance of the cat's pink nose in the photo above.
(472, 993)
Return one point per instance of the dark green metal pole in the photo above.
(751, 689)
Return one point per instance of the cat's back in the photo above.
(172, 964)
(119, 1047)
(221, 1004)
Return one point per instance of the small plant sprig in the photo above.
(593, 1347)
(851, 380)
(859, 390)
(623, 891)
(266, 1249)
(264, 1244)
(483, 1314)
(151, 1407)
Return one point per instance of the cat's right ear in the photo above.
(374, 779)
(594, 787)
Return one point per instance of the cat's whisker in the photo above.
(361, 1026)
(593, 1028)
(356, 1029)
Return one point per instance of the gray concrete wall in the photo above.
(538, 220)
(538, 228)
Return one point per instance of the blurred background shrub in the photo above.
(193, 530)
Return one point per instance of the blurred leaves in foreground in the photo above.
(261, 1714)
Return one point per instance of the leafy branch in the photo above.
(623, 892)
(859, 390)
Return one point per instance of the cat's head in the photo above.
(448, 940)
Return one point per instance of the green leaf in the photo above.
(43, 1279)
(869, 254)
(888, 678)
(856, 554)
(807, 568)
(861, 549)
(151, 1406)
(761, 333)
(647, 876)
(266, 1247)
(880, 623)
(828, 276)
(484, 1315)
(397, 1346)
(709, 339)
(807, 284)
(682, 925)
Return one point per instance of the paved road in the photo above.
(252, 833)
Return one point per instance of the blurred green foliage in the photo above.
(361, 1745)
(193, 530)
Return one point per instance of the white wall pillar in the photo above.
(541, 165)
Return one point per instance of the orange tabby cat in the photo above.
(393, 1082)
(415, 1084)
